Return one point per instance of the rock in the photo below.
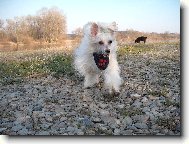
(104, 112)
(37, 107)
(137, 104)
(135, 95)
(127, 132)
(79, 132)
(117, 121)
(127, 121)
(43, 133)
(131, 127)
(45, 125)
(141, 125)
(121, 106)
(145, 109)
(17, 127)
(70, 129)
(49, 118)
(63, 118)
(103, 106)
(141, 118)
(61, 125)
(144, 99)
(85, 121)
(113, 125)
(116, 131)
(96, 119)
(86, 98)
(2, 129)
(85, 105)
(23, 131)
(152, 97)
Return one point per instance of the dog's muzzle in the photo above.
(101, 60)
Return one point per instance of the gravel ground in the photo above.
(149, 102)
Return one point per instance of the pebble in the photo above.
(127, 121)
(17, 127)
(43, 133)
(96, 119)
(135, 95)
(141, 125)
(144, 99)
(121, 106)
(63, 118)
(23, 131)
(137, 104)
(116, 131)
(104, 112)
(2, 129)
(127, 132)
(70, 129)
(103, 106)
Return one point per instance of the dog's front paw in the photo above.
(116, 93)
(111, 92)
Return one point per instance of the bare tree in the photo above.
(78, 31)
(52, 24)
(2, 32)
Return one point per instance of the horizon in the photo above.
(147, 16)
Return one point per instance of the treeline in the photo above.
(48, 25)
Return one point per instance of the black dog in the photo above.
(142, 38)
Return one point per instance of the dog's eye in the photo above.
(101, 42)
(110, 41)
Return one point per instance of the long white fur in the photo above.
(84, 60)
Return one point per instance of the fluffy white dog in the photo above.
(96, 55)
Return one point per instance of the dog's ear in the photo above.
(94, 29)
(113, 26)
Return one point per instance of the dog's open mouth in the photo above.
(101, 60)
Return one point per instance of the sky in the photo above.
(141, 15)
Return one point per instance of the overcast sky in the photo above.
(142, 15)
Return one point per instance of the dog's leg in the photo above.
(90, 80)
(112, 81)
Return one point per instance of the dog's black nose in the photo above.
(107, 51)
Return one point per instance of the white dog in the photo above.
(97, 55)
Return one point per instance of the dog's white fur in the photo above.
(84, 60)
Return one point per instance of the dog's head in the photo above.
(101, 37)
(102, 42)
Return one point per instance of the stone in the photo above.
(61, 124)
(127, 132)
(17, 127)
(70, 129)
(102, 105)
(96, 120)
(63, 118)
(141, 118)
(104, 112)
(135, 95)
(144, 99)
(121, 106)
(141, 125)
(2, 129)
(43, 133)
(117, 131)
(23, 131)
(79, 132)
(127, 121)
(117, 121)
(137, 104)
